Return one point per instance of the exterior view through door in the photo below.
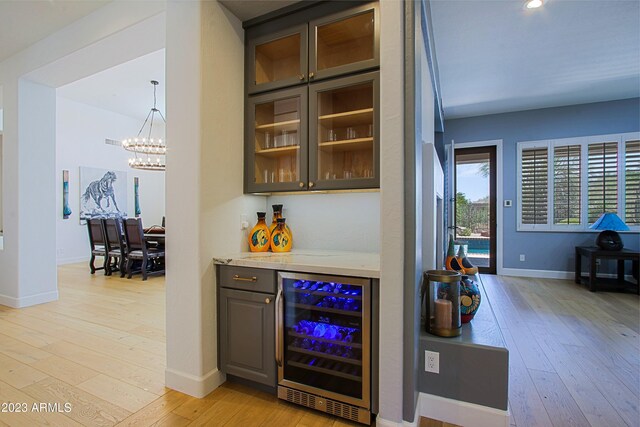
(475, 209)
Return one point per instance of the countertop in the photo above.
(358, 264)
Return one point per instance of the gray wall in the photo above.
(544, 250)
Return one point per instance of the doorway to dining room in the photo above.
(93, 116)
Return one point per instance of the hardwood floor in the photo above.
(574, 359)
(101, 347)
(574, 355)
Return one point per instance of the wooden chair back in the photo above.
(134, 234)
(113, 232)
(96, 233)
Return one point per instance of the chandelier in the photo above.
(147, 150)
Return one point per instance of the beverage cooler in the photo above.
(323, 343)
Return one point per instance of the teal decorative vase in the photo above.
(469, 299)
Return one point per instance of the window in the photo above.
(632, 182)
(566, 184)
(534, 180)
(603, 179)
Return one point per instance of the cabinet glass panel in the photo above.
(345, 133)
(326, 337)
(278, 59)
(346, 41)
(277, 141)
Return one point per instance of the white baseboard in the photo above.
(381, 422)
(28, 300)
(540, 274)
(551, 274)
(75, 260)
(193, 385)
(460, 413)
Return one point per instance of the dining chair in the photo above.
(97, 242)
(116, 246)
(137, 249)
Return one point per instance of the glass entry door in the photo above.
(324, 336)
(475, 205)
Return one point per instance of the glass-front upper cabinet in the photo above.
(344, 133)
(344, 42)
(276, 155)
(277, 59)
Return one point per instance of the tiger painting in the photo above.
(102, 189)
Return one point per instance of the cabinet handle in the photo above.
(312, 75)
(301, 184)
(301, 76)
(245, 279)
(267, 300)
(279, 327)
(311, 184)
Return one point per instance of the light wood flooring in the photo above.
(574, 355)
(101, 347)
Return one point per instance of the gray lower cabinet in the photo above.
(247, 334)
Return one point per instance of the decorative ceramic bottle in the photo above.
(259, 237)
(281, 239)
(277, 213)
(469, 299)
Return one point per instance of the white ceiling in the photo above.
(22, 23)
(496, 56)
(248, 9)
(125, 88)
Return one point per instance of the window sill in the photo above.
(635, 230)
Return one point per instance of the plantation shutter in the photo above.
(632, 182)
(602, 179)
(566, 184)
(534, 201)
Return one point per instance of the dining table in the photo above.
(155, 238)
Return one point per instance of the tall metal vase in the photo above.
(66, 210)
(136, 188)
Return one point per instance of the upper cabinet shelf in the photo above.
(285, 125)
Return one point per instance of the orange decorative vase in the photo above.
(281, 239)
(260, 237)
(277, 213)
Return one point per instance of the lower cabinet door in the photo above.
(247, 334)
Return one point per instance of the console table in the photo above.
(593, 253)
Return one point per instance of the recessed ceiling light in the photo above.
(534, 4)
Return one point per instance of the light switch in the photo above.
(508, 203)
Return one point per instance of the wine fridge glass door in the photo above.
(325, 344)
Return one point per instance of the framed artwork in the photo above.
(103, 193)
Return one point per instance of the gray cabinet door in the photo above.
(276, 141)
(344, 42)
(247, 335)
(276, 60)
(344, 133)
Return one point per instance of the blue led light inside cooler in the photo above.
(342, 298)
(326, 336)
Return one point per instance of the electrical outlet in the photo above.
(244, 222)
(521, 257)
(432, 361)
